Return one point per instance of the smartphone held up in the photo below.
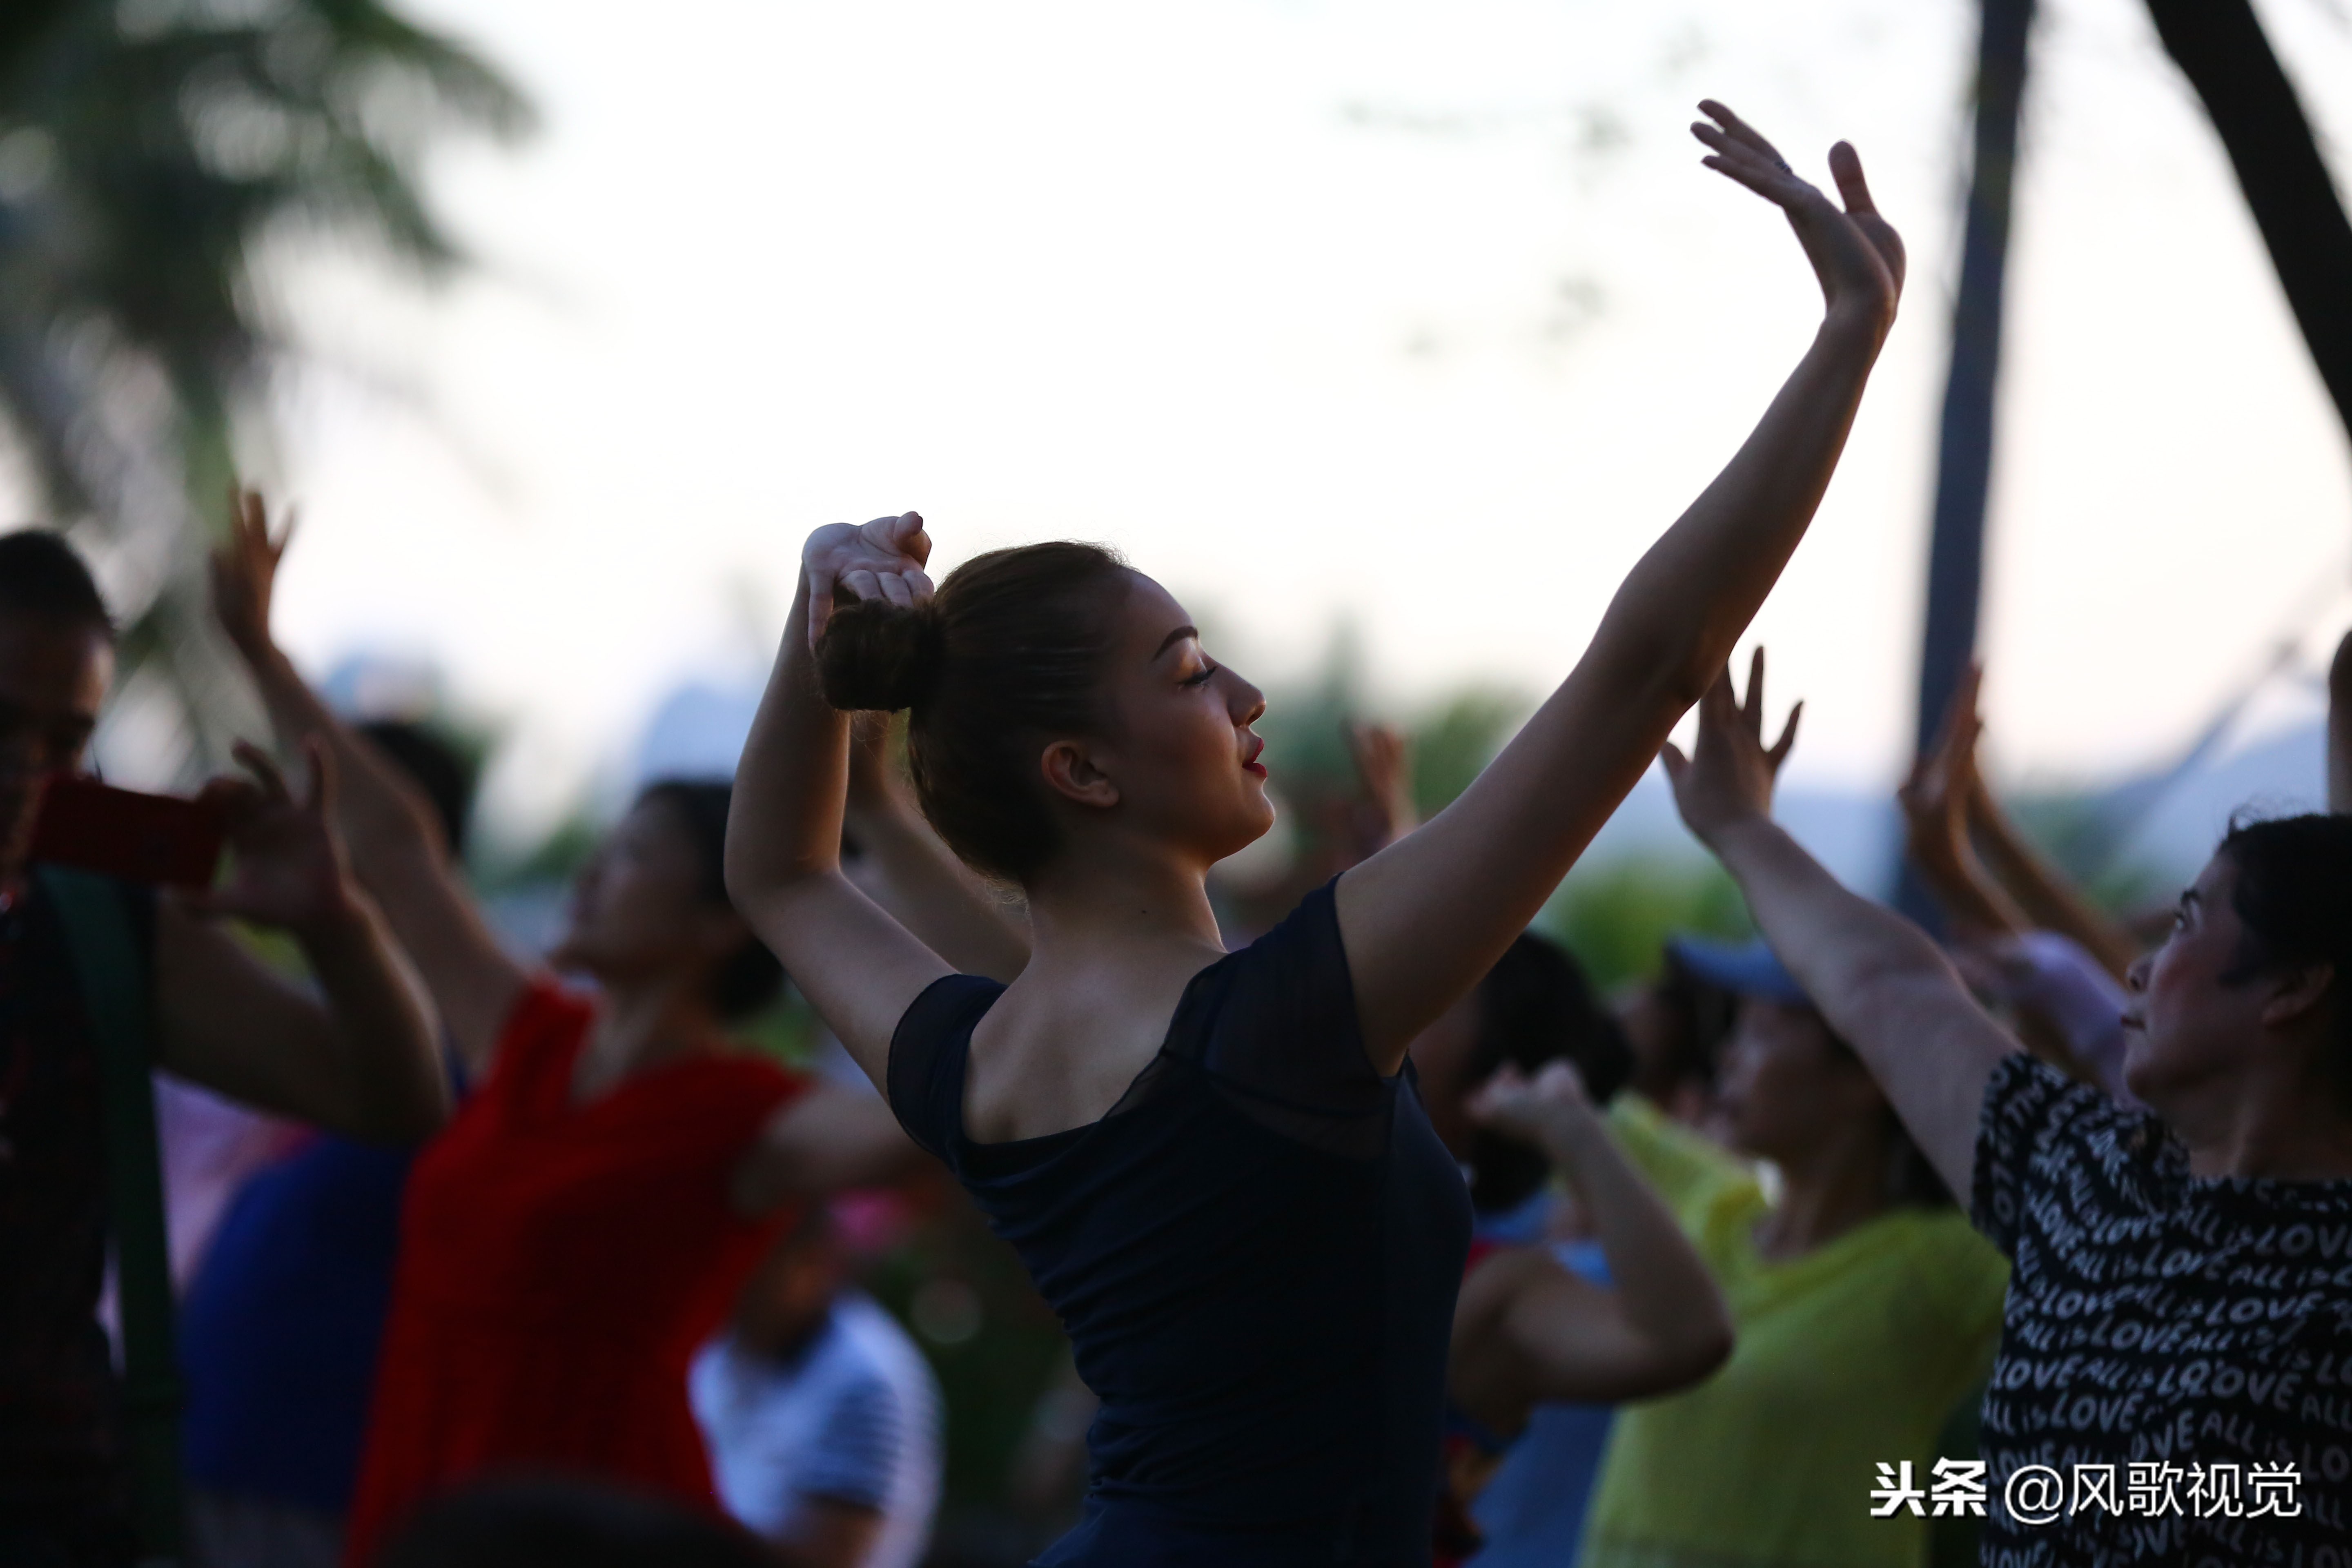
(160, 839)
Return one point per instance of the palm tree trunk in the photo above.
(1964, 449)
(2220, 47)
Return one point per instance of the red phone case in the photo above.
(139, 837)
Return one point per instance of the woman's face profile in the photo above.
(637, 905)
(1178, 749)
(2191, 1017)
(1786, 1088)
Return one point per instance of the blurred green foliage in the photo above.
(1616, 916)
(151, 153)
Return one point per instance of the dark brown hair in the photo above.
(751, 978)
(2292, 895)
(1007, 655)
(41, 575)
(1537, 1005)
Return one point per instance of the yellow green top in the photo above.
(1849, 1355)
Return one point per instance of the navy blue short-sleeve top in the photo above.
(1255, 1255)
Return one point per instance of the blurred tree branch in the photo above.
(149, 150)
(2219, 46)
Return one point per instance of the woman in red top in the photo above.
(591, 1212)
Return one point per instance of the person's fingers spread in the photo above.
(1788, 740)
(286, 528)
(1756, 681)
(862, 583)
(894, 588)
(1738, 129)
(1671, 758)
(1854, 189)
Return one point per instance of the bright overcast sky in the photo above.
(1419, 315)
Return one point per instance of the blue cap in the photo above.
(1743, 968)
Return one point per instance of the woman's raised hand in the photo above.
(1943, 781)
(1525, 1108)
(1728, 778)
(291, 869)
(244, 571)
(883, 559)
(1855, 253)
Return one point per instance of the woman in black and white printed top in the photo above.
(2175, 1380)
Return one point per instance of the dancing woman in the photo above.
(1215, 1165)
(620, 1167)
(2177, 1306)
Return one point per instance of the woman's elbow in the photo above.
(1687, 1356)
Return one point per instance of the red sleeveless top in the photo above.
(559, 1264)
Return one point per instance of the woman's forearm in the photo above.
(2047, 900)
(930, 892)
(383, 1026)
(1666, 1288)
(1427, 916)
(1681, 609)
(1977, 904)
(792, 784)
(379, 813)
(1882, 986)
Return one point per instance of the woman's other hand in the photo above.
(1531, 1110)
(1936, 796)
(883, 559)
(1855, 253)
(245, 573)
(1729, 774)
(290, 869)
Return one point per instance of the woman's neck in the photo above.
(1835, 1187)
(2292, 1132)
(643, 1024)
(1111, 903)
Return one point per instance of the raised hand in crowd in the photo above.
(395, 835)
(1881, 984)
(1527, 1330)
(820, 1140)
(1938, 801)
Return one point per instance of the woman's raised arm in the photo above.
(1427, 916)
(858, 967)
(1884, 988)
(394, 839)
(1527, 1331)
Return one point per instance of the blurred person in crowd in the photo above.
(1676, 1025)
(588, 1217)
(1545, 1337)
(1865, 1307)
(566, 1522)
(1216, 1165)
(2181, 1265)
(355, 1053)
(822, 1418)
(2066, 1000)
(1521, 1469)
(281, 1324)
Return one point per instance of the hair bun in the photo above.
(877, 656)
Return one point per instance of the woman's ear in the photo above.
(2296, 993)
(1072, 774)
